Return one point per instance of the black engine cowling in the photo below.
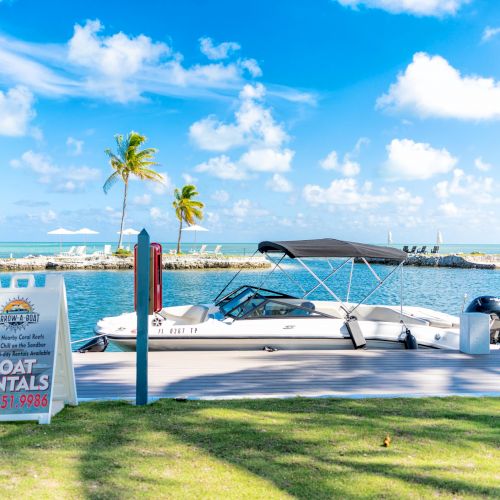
(491, 306)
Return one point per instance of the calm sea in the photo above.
(22, 249)
(95, 294)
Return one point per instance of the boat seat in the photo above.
(192, 316)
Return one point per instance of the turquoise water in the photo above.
(95, 294)
(21, 249)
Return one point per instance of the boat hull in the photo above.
(250, 344)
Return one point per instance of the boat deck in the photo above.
(260, 374)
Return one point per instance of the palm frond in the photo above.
(110, 181)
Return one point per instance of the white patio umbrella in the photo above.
(60, 231)
(389, 237)
(129, 232)
(86, 231)
(439, 238)
(196, 228)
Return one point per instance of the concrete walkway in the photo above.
(258, 374)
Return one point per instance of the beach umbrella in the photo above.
(129, 232)
(439, 238)
(86, 230)
(60, 231)
(389, 237)
(195, 228)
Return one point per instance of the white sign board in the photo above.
(36, 365)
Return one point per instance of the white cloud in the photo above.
(16, 111)
(347, 192)
(449, 209)
(280, 184)
(60, 179)
(252, 66)
(431, 87)
(267, 160)
(158, 216)
(348, 167)
(222, 167)
(254, 127)
(221, 51)
(114, 59)
(189, 179)
(212, 135)
(220, 196)
(144, 199)
(244, 208)
(477, 189)
(416, 160)
(75, 146)
(122, 68)
(437, 8)
(160, 187)
(254, 124)
(482, 165)
(489, 33)
(81, 174)
(48, 216)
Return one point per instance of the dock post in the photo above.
(143, 263)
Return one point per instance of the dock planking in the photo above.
(281, 374)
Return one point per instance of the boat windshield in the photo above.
(242, 300)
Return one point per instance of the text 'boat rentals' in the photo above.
(254, 317)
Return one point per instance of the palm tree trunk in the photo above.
(123, 215)
(179, 237)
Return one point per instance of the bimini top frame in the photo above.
(332, 248)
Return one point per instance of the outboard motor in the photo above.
(98, 344)
(491, 306)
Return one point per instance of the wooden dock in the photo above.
(260, 374)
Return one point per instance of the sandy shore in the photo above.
(119, 263)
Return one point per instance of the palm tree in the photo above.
(186, 209)
(129, 160)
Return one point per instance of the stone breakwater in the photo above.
(461, 261)
(180, 262)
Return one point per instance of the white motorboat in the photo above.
(253, 317)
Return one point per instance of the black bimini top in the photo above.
(328, 247)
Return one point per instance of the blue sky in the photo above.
(333, 118)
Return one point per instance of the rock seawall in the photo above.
(460, 261)
(181, 262)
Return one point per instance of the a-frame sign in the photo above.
(36, 366)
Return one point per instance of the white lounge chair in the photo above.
(217, 251)
(104, 253)
(203, 250)
(81, 251)
(69, 253)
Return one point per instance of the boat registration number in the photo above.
(183, 330)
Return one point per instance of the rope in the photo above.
(89, 338)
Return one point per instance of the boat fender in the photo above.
(97, 344)
(410, 340)
(268, 348)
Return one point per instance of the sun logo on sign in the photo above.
(17, 314)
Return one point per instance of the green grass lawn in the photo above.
(303, 448)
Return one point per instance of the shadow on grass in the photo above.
(306, 448)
